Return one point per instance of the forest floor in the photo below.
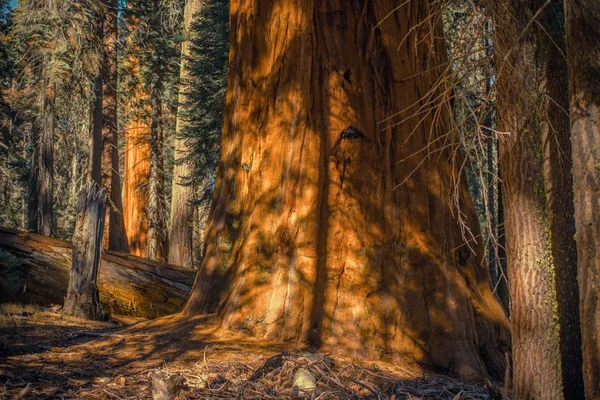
(44, 355)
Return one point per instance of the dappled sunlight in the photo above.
(311, 242)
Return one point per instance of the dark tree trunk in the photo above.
(313, 238)
(46, 163)
(95, 139)
(558, 166)
(116, 239)
(82, 298)
(157, 248)
(536, 174)
(33, 195)
(583, 43)
(504, 285)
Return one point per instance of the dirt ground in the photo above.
(44, 355)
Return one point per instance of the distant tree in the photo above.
(152, 54)
(57, 60)
(181, 228)
(583, 55)
(106, 112)
(200, 120)
(11, 134)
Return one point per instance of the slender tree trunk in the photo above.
(583, 43)
(157, 213)
(33, 196)
(181, 232)
(95, 139)
(82, 299)
(46, 163)
(536, 165)
(558, 166)
(116, 239)
(504, 285)
(319, 233)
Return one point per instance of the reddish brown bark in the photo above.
(583, 42)
(311, 239)
(135, 197)
(137, 154)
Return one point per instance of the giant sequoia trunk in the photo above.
(182, 212)
(137, 160)
(115, 237)
(312, 236)
(538, 210)
(583, 41)
(135, 195)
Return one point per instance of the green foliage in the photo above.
(58, 52)
(205, 109)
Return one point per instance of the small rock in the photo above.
(120, 381)
(304, 380)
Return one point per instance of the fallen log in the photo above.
(35, 269)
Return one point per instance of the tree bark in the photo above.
(128, 285)
(111, 176)
(182, 211)
(536, 174)
(95, 139)
(158, 242)
(137, 158)
(583, 43)
(82, 296)
(46, 163)
(324, 230)
(33, 196)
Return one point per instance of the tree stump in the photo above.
(82, 297)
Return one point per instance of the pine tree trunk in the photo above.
(503, 290)
(116, 238)
(157, 248)
(82, 298)
(536, 164)
(46, 163)
(33, 196)
(313, 238)
(95, 138)
(583, 43)
(181, 232)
